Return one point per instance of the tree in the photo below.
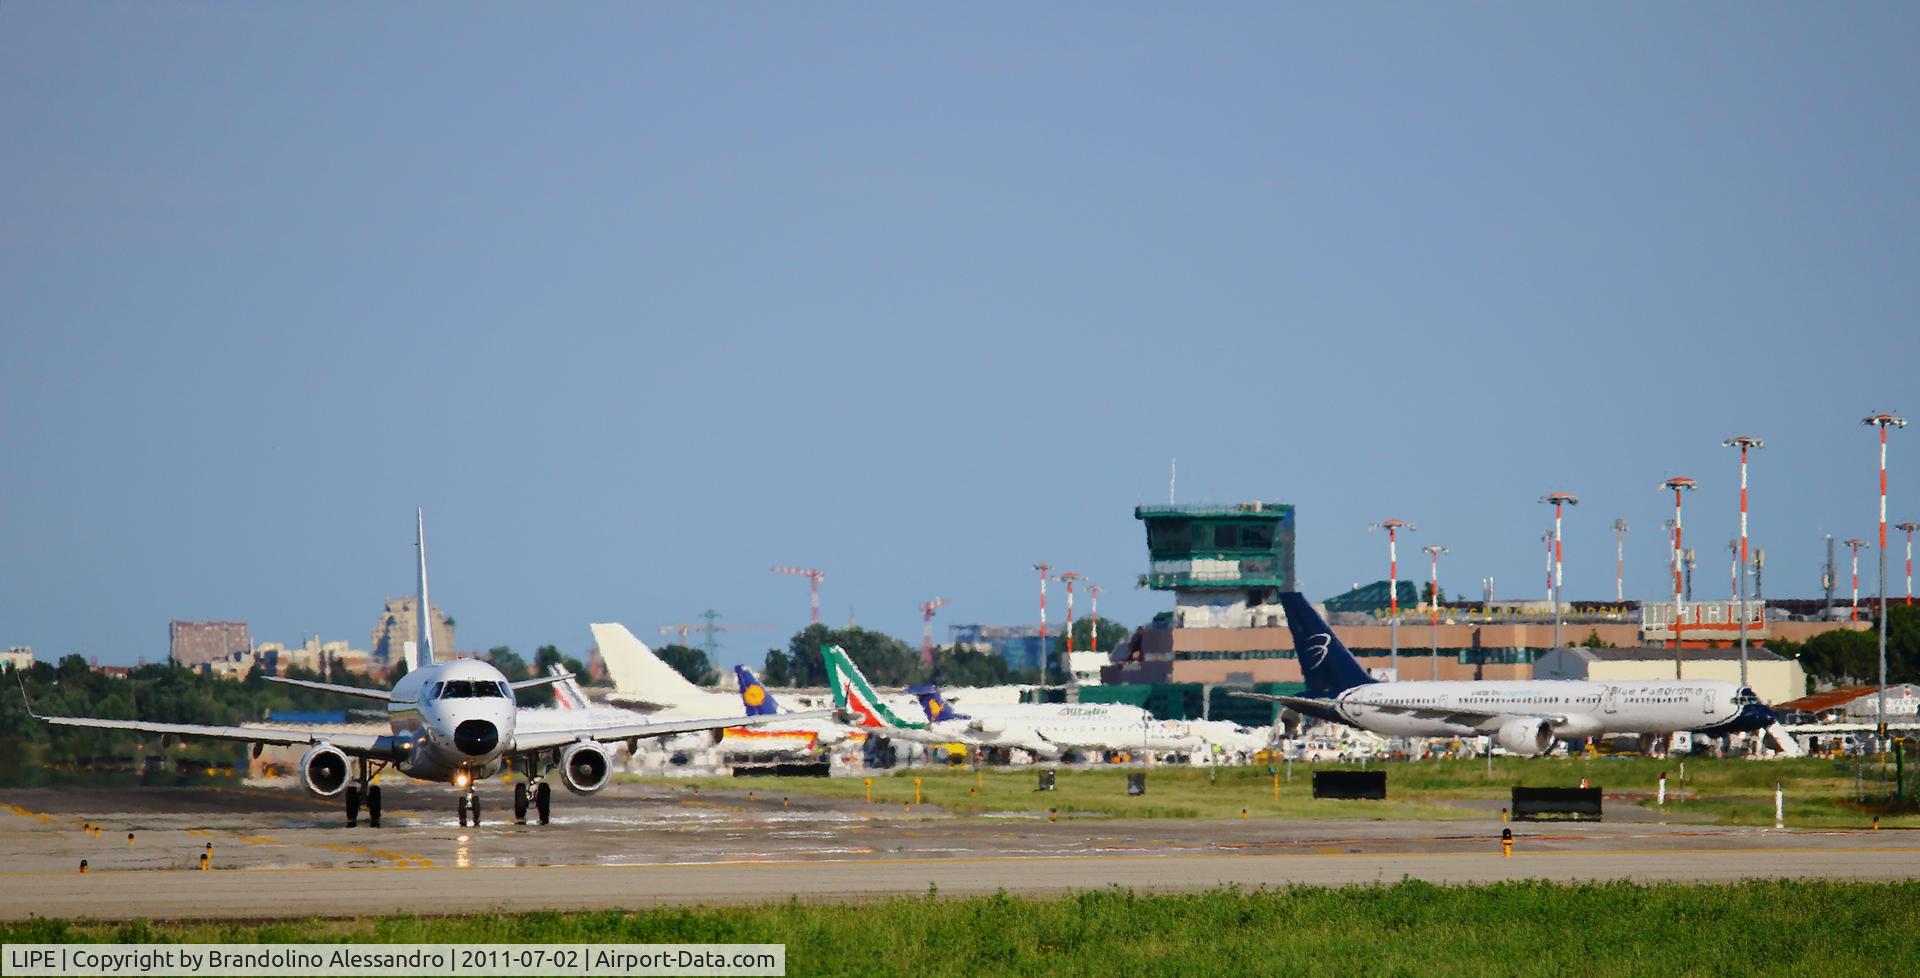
(505, 659)
(1594, 641)
(689, 662)
(777, 672)
(883, 659)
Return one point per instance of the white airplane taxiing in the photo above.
(452, 721)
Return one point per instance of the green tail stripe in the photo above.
(842, 673)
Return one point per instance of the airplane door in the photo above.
(1610, 702)
(1713, 705)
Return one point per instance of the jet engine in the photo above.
(324, 770)
(1527, 736)
(585, 767)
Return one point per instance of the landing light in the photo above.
(462, 779)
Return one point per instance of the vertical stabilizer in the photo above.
(758, 701)
(423, 613)
(1325, 662)
(853, 695)
(640, 676)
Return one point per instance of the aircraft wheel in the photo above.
(473, 805)
(373, 806)
(353, 805)
(520, 804)
(543, 801)
(463, 811)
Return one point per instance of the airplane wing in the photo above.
(372, 694)
(359, 744)
(540, 739)
(555, 677)
(1463, 714)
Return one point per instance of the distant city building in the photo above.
(397, 627)
(18, 657)
(313, 656)
(197, 643)
(1019, 645)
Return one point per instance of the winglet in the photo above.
(24, 698)
(423, 613)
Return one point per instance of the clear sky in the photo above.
(638, 300)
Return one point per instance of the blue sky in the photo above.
(639, 300)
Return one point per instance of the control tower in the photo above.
(1225, 565)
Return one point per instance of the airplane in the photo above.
(451, 720)
(1054, 729)
(759, 702)
(857, 705)
(1523, 716)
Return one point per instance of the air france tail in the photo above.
(935, 705)
(758, 701)
(1327, 666)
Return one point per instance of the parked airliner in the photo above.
(1524, 717)
(451, 720)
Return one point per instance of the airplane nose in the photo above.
(476, 737)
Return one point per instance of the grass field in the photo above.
(1410, 928)
(1820, 793)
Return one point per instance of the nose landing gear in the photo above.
(470, 807)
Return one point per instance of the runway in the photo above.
(277, 854)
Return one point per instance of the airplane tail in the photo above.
(1324, 660)
(422, 612)
(567, 694)
(853, 695)
(935, 705)
(640, 675)
(759, 702)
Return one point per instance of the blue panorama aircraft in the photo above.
(452, 721)
(1523, 716)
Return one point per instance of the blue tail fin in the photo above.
(934, 704)
(1324, 660)
(759, 702)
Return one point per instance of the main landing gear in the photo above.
(363, 790)
(533, 793)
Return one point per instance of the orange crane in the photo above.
(927, 608)
(814, 577)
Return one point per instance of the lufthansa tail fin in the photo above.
(935, 705)
(759, 702)
(1324, 660)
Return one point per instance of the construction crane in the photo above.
(709, 628)
(814, 577)
(927, 608)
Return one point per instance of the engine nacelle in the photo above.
(323, 770)
(1527, 736)
(585, 767)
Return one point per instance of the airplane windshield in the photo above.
(1745, 697)
(463, 689)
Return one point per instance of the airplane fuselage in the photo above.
(451, 718)
(1589, 709)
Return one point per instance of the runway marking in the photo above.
(1491, 856)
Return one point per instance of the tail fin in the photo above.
(935, 705)
(759, 702)
(638, 674)
(1324, 661)
(852, 694)
(423, 612)
(567, 694)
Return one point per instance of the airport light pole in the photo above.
(1883, 422)
(1854, 546)
(1434, 551)
(1908, 527)
(1066, 657)
(1393, 528)
(1559, 501)
(1680, 485)
(927, 608)
(1619, 561)
(1745, 443)
(1043, 568)
(1546, 545)
(1093, 617)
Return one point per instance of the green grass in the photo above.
(1408, 928)
(1820, 792)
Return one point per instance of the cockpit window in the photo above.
(1745, 697)
(463, 689)
(506, 691)
(434, 692)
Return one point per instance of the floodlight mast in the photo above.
(1883, 421)
(1745, 443)
(1679, 484)
(1434, 551)
(1559, 501)
(1855, 545)
(1393, 527)
(1043, 568)
(1620, 561)
(1909, 527)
